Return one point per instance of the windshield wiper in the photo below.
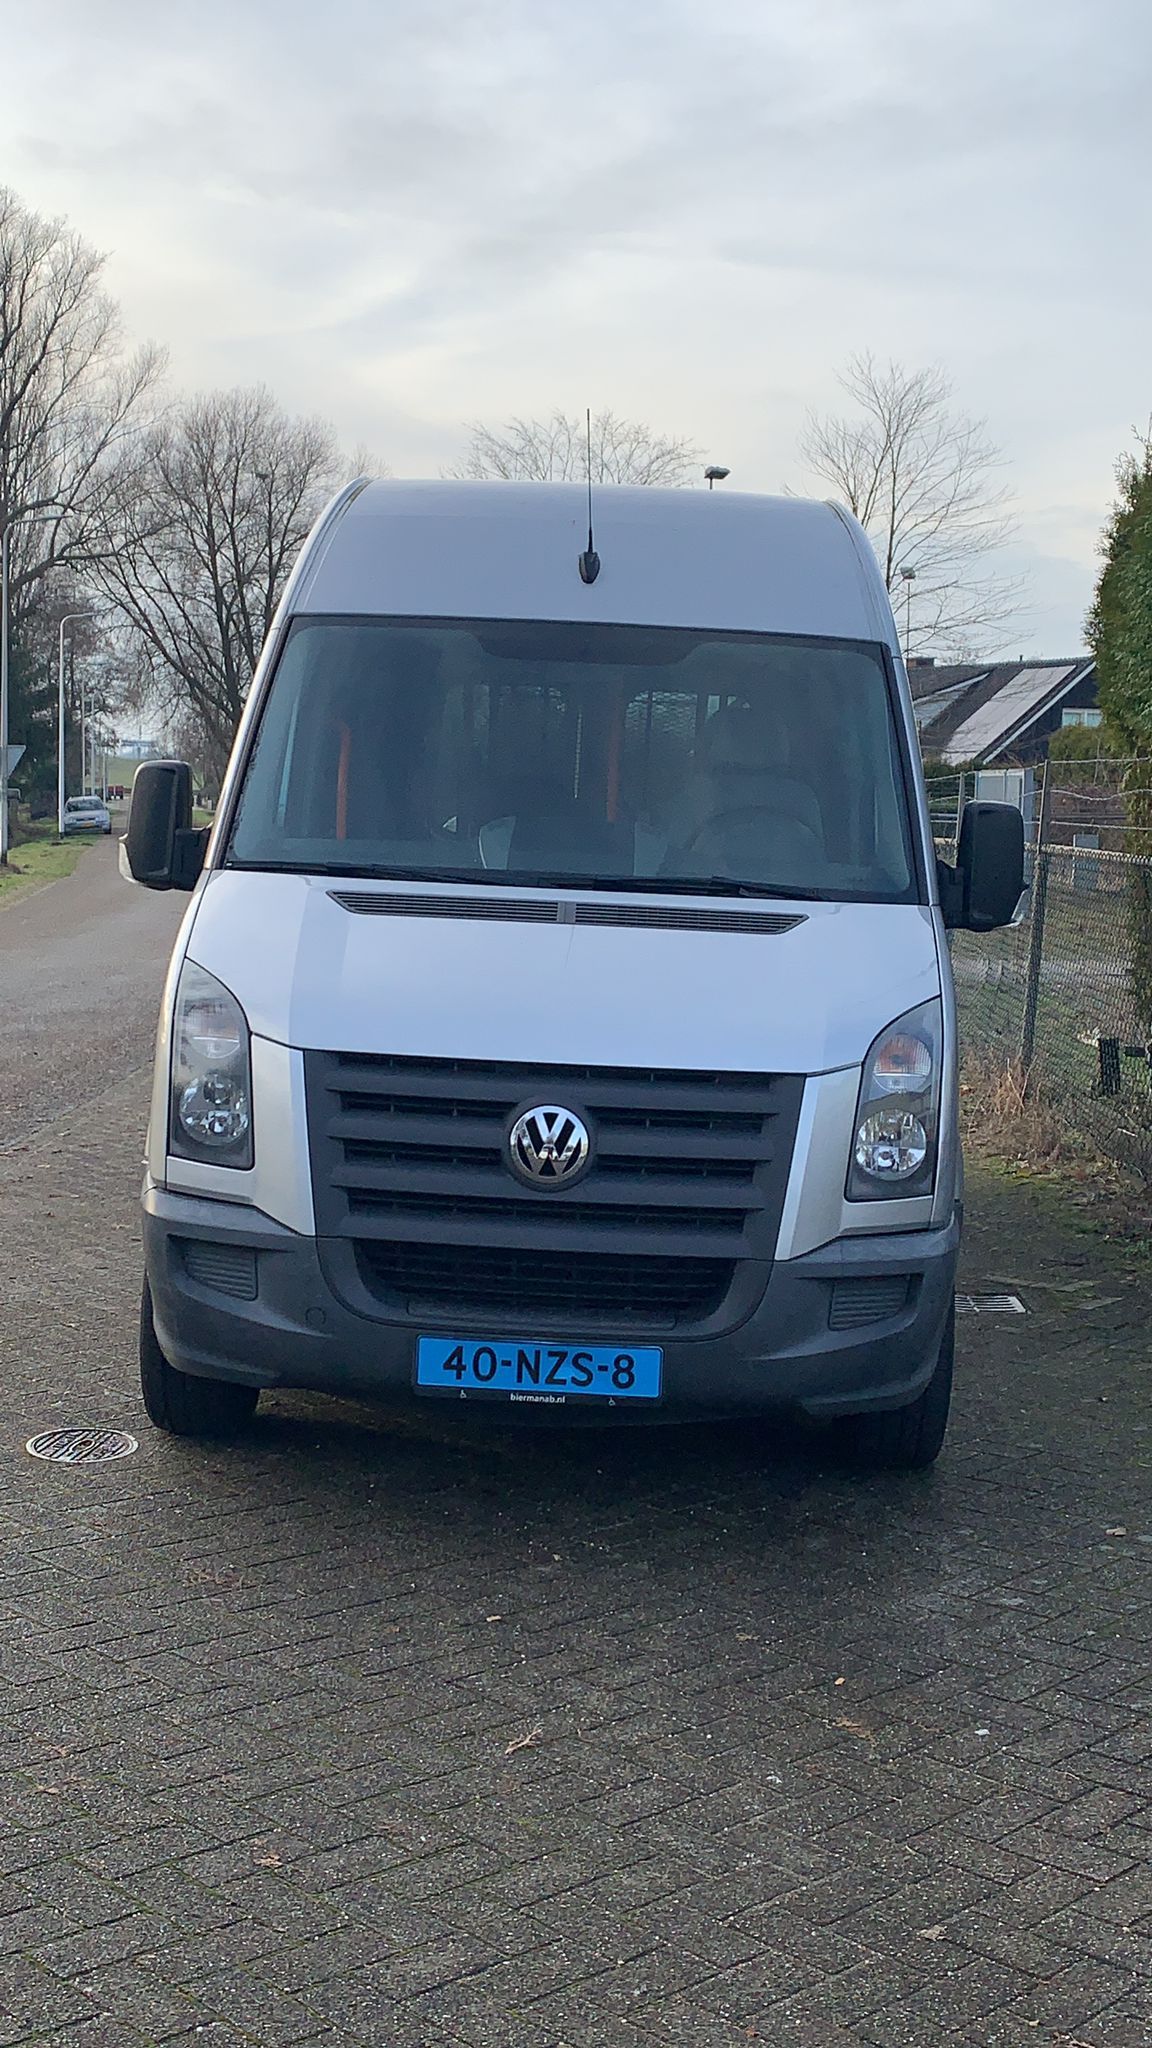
(366, 870)
(729, 885)
(516, 878)
(664, 885)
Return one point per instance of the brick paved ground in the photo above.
(360, 1733)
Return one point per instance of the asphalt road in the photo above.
(81, 967)
(360, 1734)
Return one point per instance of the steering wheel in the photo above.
(739, 813)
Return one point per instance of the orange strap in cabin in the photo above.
(342, 781)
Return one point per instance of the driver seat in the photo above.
(538, 826)
(742, 765)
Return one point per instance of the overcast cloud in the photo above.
(410, 214)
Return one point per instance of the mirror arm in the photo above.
(950, 883)
(188, 852)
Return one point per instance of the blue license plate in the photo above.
(545, 1374)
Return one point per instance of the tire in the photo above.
(181, 1403)
(907, 1439)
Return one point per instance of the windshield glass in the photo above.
(556, 752)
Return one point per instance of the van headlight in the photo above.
(211, 1104)
(898, 1114)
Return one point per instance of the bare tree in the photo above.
(198, 551)
(70, 398)
(185, 738)
(920, 478)
(32, 709)
(555, 450)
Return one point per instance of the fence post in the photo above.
(1039, 906)
(1108, 1054)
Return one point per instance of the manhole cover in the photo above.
(81, 1446)
(990, 1305)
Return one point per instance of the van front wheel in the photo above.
(907, 1439)
(181, 1403)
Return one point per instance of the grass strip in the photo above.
(40, 857)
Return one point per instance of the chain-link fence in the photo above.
(1062, 999)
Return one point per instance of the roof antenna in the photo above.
(589, 560)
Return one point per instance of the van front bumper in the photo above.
(785, 1356)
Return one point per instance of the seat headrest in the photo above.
(739, 738)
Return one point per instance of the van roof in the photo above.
(721, 559)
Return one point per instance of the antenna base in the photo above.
(589, 566)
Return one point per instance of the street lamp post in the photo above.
(908, 578)
(68, 620)
(716, 473)
(4, 693)
(87, 753)
(25, 519)
(87, 743)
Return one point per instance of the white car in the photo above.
(86, 814)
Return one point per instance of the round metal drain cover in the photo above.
(81, 1446)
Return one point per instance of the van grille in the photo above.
(683, 1196)
(584, 1287)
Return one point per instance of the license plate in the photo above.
(545, 1374)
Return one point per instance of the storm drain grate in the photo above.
(81, 1446)
(990, 1305)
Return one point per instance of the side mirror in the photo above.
(983, 889)
(161, 848)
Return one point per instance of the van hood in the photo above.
(311, 974)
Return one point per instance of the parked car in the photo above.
(86, 814)
(563, 1020)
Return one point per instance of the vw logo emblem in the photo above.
(549, 1146)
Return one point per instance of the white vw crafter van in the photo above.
(562, 1022)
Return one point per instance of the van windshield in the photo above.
(558, 753)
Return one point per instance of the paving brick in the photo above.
(92, 1948)
(38, 2001)
(1067, 2004)
(124, 1992)
(680, 2023)
(94, 2033)
(254, 2008)
(1127, 2024)
(1108, 1941)
(271, 1805)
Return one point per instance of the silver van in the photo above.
(562, 1024)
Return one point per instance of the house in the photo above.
(140, 750)
(996, 713)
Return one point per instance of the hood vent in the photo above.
(690, 918)
(543, 910)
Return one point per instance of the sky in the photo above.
(408, 215)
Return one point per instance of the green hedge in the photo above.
(1120, 631)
